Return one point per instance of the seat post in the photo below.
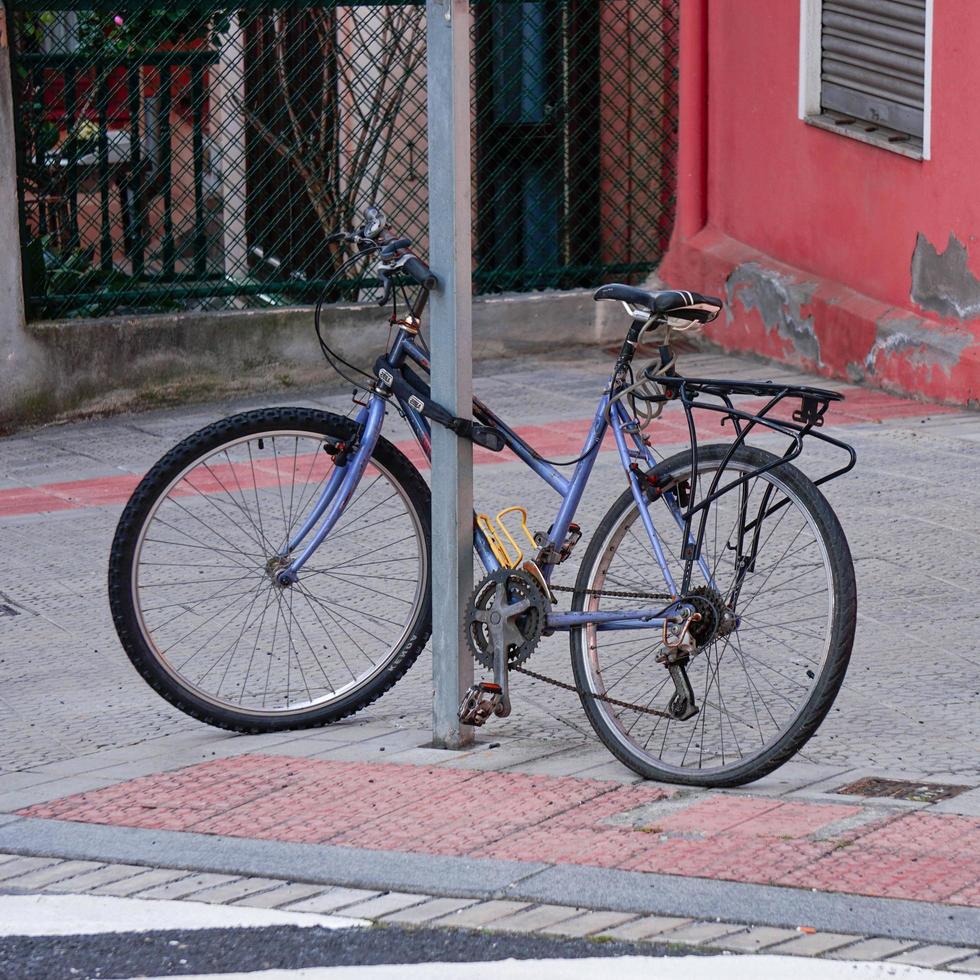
(628, 349)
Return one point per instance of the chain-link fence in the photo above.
(198, 157)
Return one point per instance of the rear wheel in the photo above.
(764, 678)
(192, 581)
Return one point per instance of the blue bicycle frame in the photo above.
(633, 453)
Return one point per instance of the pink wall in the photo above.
(823, 202)
(808, 234)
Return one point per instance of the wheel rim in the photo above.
(248, 645)
(752, 685)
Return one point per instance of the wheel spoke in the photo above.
(324, 638)
(752, 680)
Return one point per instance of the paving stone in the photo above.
(42, 877)
(482, 914)
(814, 944)
(933, 955)
(90, 880)
(234, 890)
(702, 932)
(375, 908)
(143, 879)
(878, 728)
(970, 966)
(331, 899)
(648, 927)
(756, 938)
(876, 948)
(590, 924)
(184, 887)
(434, 908)
(535, 919)
(280, 896)
(23, 865)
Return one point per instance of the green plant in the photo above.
(106, 31)
(66, 273)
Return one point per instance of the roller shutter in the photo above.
(873, 61)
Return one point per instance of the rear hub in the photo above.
(717, 620)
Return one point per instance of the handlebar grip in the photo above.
(420, 272)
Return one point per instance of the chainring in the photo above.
(521, 631)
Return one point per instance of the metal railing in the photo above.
(198, 157)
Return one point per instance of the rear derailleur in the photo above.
(679, 647)
(506, 616)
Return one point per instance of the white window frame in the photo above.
(809, 101)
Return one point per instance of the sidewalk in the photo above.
(536, 827)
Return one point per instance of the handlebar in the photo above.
(370, 237)
(420, 272)
(396, 245)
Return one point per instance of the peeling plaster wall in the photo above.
(779, 301)
(820, 201)
(786, 315)
(942, 281)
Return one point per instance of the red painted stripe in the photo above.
(556, 440)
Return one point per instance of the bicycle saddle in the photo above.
(678, 303)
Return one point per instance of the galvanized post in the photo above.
(448, 38)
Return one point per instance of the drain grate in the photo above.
(900, 789)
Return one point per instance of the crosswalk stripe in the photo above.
(81, 915)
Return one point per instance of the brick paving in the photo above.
(552, 819)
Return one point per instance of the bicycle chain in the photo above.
(610, 592)
(590, 694)
(577, 690)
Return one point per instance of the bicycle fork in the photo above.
(350, 462)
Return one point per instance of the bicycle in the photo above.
(272, 571)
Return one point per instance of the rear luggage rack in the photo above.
(804, 421)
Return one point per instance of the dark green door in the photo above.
(537, 146)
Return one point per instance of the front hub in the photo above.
(277, 568)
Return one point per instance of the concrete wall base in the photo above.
(115, 363)
(783, 313)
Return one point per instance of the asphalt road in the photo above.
(232, 950)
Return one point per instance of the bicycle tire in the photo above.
(826, 682)
(128, 604)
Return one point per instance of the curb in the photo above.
(637, 893)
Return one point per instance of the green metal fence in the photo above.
(197, 157)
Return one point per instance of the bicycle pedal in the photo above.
(480, 702)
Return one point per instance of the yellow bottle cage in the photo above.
(496, 535)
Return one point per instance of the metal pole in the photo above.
(448, 39)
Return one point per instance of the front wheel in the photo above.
(193, 586)
(776, 635)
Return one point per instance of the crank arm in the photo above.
(501, 679)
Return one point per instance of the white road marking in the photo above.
(624, 968)
(80, 915)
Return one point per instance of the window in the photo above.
(865, 70)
